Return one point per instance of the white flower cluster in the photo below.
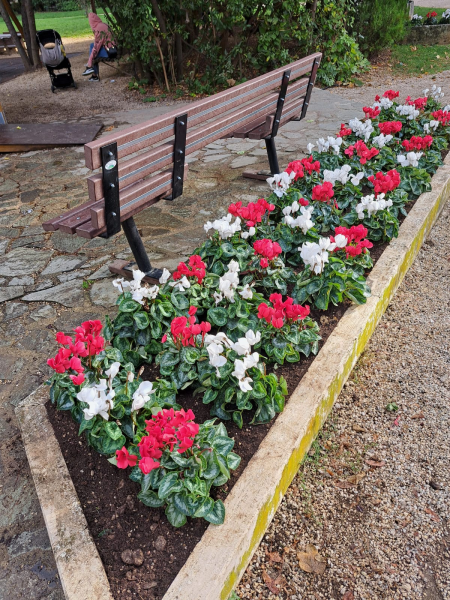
(331, 143)
(280, 183)
(407, 110)
(381, 140)
(416, 18)
(383, 103)
(216, 345)
(410, 160)
(224, 226)
(372, 205)
(315, 255)
(228, 284)
(303, 220)
(427, 127)
(138, 291)
(362, 130)
(446, 14)
(343, 175)
(142, 395)
(436, 92)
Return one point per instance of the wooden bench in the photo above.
(6, 42)
(142, 164)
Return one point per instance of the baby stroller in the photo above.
(54, 58)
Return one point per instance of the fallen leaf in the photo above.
(110, 128)
(358, 428)
(231, 82)
(418, 415)
(435, 485)
(437, 56)
(413, 48)
(274, 557)
(376, 501)
(343, 485)
(355, 479)
(348, 595)
(311, 561)
(434, 515)
(270, 583)
(374, 463)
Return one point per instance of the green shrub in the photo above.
(379, 23)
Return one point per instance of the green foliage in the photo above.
(379, 24)
(211, 44)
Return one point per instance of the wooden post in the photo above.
(33, 52)
(14, 37)
(11, 13)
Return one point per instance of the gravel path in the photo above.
(373, 493)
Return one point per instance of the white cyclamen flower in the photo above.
(164, 277)
(309, 148)
(371, 205)
(381, 140)
(246, 292)
(253, 338)
(181, 285)
(280, 183)
(316, 255)
(410, 160)
(362, 130)
(99, 402)
(142, 395)
(408, 111)
(340, 240)
(342, 175)
(113, 370)
(224, 226)
(250, 233)
(304, 220)
(356, 179)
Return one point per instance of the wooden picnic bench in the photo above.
(144, 163)
(6, 42)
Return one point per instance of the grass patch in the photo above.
(420, 60)
(69, 24)
(424, 10)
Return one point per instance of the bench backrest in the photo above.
(246, 110)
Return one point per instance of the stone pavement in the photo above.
(52, 281)
(433, 3)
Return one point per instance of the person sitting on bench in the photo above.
(102, 47)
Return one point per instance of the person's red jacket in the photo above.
(102, 36)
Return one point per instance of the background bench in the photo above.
(6, 42)
(142, 164)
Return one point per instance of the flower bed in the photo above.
(224, 323)
(432, 18)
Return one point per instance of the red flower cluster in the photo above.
(323, 192)
(391, 94)
(88, 342)
(344, 131)
(371, 113)
(253, 212)
(355, 240)
(300, 166)
(418, 103)
(362, 151)
(198, 269)
(184, 329)
(165, 430)
(441, 116)
(384, 183)
(282, 312)
(431, 14)
(417, 143)
(390, 127)
(268, 250)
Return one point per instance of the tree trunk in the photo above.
(26, 30)
(14, 37)
(93, 9)
(162, 27)
(33, 52)
(313, 10)
(179, 51)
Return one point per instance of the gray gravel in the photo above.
(386, 537)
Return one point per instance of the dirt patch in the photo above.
(29, 99)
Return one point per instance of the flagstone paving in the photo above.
(52, 281)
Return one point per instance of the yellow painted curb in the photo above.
(220, 558)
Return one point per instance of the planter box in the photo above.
(220, 558)
(428, 35)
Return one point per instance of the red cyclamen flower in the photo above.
(391, 94)
(253, 212)
(442, 116)
(384, 183)
(344, 131)
(390, 127)
(323, 192)
(362, 151)
(371, 113)
(197, 269)
(417, 143)
(356, 244)
(268, 249)
(125, 459)
(281, 312)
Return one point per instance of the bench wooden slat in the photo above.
(53, 224)
(135, 138)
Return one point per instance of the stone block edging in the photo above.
(219, 560)
(428, 35)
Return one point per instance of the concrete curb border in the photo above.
(219, 560)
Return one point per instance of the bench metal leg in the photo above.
(138, 249)
(272, 155)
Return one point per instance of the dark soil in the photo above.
(116, 518)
